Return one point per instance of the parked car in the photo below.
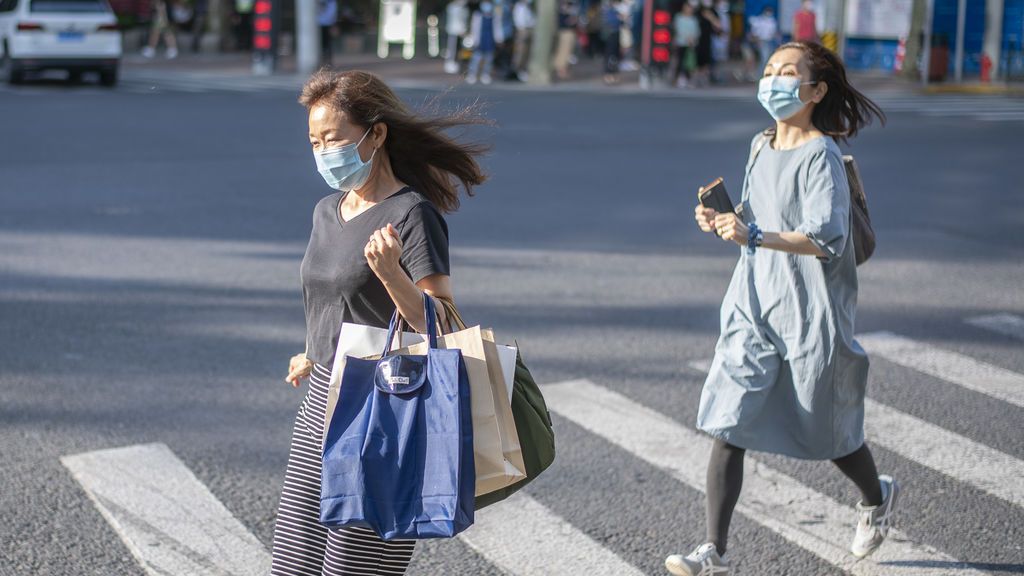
(74, 35)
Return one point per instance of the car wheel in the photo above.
(108, 77)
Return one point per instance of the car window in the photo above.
(8, 5)
(68, 6)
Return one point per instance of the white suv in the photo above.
(73, 35)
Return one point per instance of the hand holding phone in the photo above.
(715, 196)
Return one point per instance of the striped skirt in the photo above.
(304, 547)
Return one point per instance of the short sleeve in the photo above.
(825, 204)
(424, 236)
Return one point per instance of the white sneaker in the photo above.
(704, 561)
(470, 79)
(172, 53)
(485, 79)
(875, 521)
(148, 52)
(451, 67)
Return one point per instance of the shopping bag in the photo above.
(488, 399)
(359, 341)
(399, 451)
(497, 360)
(532, 419)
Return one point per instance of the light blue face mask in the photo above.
(342, 167)
(780, 95)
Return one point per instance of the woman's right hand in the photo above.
(299, 367)
(706, 218)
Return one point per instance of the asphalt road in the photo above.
(149, 253)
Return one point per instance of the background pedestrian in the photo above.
(485, 33)
(687, 32)
(524, 19)
(162, 27)
(327, 19)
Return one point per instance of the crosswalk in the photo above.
(524, 537)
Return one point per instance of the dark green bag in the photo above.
(533, 422)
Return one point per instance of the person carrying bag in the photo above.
(379, 242)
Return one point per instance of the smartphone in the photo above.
(716, 197)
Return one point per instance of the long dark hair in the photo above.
(844, 110)
(421, 154)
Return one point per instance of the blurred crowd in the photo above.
(492, 39)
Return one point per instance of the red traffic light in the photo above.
(262, 7)
(261, 42)
(660, 55)
(662, 17)
(662, 36)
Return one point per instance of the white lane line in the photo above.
(799, 514)
(953, 367)
(955, 456)
(522, 537)
(1007, 324)
(168, 519)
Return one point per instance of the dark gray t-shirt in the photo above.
(337, 282)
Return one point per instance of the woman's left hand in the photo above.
(383, 252)
(730, 227)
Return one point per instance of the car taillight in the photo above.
(108, 28)
(29, 27)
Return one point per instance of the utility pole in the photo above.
(543, 42)
(306, 37)
(961, 27)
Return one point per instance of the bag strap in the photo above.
(397, 323)
(455, 321)
(762, 140)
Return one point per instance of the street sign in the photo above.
(397, 26)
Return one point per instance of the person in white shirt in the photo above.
(524, 21)
(764, 36)
(455, 27)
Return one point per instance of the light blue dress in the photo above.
(787, 376)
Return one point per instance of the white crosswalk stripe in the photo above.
(524, 538)
(1006, 324)
(166, 517)
(979, 107)
(960, 458)
(959, 369)
(799, 514)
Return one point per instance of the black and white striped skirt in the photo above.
(303, 546)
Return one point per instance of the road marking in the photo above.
(953, 367)
(523, 537)
(799, 514)
(955, 456)
(1007, 324)
(168, 519)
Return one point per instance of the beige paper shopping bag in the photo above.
(491, 471)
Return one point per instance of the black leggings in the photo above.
(725, 480)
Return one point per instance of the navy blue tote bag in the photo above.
(398, 457)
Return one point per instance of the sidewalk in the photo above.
(425, 72)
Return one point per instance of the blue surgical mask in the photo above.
(342, 167)
(780, 95)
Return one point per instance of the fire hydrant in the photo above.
(986, 68)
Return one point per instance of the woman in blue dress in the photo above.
(787, 376)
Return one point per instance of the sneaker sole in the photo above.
(677, 569)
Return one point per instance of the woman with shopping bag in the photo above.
(378, 244)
